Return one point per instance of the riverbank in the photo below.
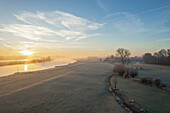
(74, 88)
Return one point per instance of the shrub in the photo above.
(119, 68)
(126, 73)
(146, 80)
(162, 85)
(157, 82)
(133, 72)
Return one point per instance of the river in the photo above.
(8, 70)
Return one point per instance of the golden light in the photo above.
(25, 67)
(27, 52)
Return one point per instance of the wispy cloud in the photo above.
(88, 36)
(38, 26)
(126, 22)
(8, 46)
(1, 39)
(27, 31)
(163, 30)
(101, 5)
(156, 9)
(163, 40)
(22, 45)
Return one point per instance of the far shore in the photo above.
(7, 63)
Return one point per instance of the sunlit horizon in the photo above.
(73, 30)
(27, 52)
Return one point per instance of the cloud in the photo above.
(8, 46)
(22, 45)
(24, 16)
(162, 30)
(101, 5)
(156, 9)
(125, 22)
(88, 36)
(163, 40)
(42, 25)
(1, 39)
(31, 32)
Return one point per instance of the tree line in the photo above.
(123, 55)
(161, 57)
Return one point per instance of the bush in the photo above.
(126, 73)
(119, 68)
(162, 85)
(146, 80)
(133, 72)
(157, 82)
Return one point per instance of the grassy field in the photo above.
(164, 75)
(155, 71)
(151, 99)
(76, 88)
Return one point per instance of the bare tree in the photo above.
(123, 53)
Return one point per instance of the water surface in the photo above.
(7, 70)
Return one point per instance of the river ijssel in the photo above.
(11, 69)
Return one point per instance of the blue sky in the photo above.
(88, 27)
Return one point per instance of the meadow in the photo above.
(151, 99)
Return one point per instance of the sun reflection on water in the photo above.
(25, 67)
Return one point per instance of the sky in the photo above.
(84, 27)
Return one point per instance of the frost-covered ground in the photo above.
(151, 99)
(76, 88)
(155, 71)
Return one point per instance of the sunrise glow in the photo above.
(27, 52)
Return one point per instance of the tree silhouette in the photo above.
(123, 53)
(161, 57)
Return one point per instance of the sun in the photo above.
(27, 52)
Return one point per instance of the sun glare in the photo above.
(25, 67)
(27, 52)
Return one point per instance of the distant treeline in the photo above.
(115, 59)
(42, 59)
(161, 57)
(12, 57)
(123, 55)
